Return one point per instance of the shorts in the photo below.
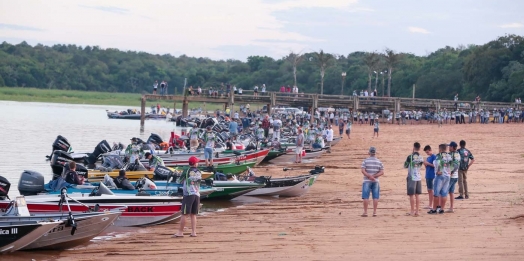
(255, 91)
(298, 150)
(348, 131)
(375, 130)
(414, 187)
(441, 186)
(452, 183)
(370, 188)
(208, 153)
(341, 131)
(190, 205)
(429, 183)
(193, 143)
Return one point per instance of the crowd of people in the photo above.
(443, 171)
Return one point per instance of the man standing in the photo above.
(209, 139)
(371, 168)
(191, 200)
(277, 124)
(455, 160)
(441, 183)
(134, 151)
(430, 174)
(193, 138)
(155, 87)
(233, 128)
(299, 146)
(265, 125)
(329, 138)
(466, 160)
(414, 180)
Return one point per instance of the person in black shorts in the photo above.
(191, 202)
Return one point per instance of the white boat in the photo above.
(297, 190)
(16, 235)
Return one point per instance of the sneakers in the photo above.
(441, 211)
(460, 197)
(431, 212)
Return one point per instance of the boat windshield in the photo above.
(103, 190)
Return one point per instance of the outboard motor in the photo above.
(30, 183)
(61, 143)
(102, 147)
(318, 169)
(58, 160)
(113, 162)
(154, 138)
(162, 173)
(4, 188)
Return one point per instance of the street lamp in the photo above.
(343, 81)
(376, 79)
(383, 74)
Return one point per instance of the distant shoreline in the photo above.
(23, 94)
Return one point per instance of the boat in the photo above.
(66, 235)
(135, 212)
(289, 186)
(232, 189)
(290, 155)
(96, 175)
(16, 235)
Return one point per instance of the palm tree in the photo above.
(323, 61)
(295, 59)
(391, 59)
(371, 60)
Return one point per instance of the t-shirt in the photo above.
(209, 138)
(413, 163)
(329, 135)
(233, 127)
(300, 140)
(372, 166)
(191, 182)
(277, 124)
(260, 133)
(465, 156)
(375, 125)
(194, 134)
(430, 171)
(443, 164)
(455, 161)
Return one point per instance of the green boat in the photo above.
(234, 168)
(230, 189)
(271, 155)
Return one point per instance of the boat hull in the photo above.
(88, 227)
(296, 190)
(17, 235)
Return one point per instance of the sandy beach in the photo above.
(325, 224)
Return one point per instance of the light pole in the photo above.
(376, 79)
(383, 74)
(343, 81)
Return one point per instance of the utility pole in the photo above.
(343, 81)
(413, 91)
(383, 73)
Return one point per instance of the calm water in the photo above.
(28, 130)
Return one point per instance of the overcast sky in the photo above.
(223, 29)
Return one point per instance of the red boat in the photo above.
(135, 214)
(257, 156)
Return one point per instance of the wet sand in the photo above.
(325, 224)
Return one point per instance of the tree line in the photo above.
(494, 71)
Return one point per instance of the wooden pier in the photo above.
(313, 101)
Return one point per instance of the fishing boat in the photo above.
(232, 189)
(16, 235)
(74, 230)
(286, 187)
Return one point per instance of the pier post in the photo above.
(142, 112)
(355, 103)
(185, 107)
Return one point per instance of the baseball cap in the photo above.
(453, 144)
(372, 150)
(147, 154)
(133, 138)
(193, 160)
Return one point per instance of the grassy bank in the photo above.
(85, 97)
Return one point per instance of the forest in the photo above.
(494, 71)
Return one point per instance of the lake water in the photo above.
(28, 130)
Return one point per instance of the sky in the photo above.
(236, 29)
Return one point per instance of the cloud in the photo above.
(19, 27)
(418, 30)
(111, 9)
(512, 25)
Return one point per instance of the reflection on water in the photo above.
(29, 129)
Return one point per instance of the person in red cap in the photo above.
(190, 180)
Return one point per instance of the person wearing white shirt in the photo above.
(365, 93)
(239, 90)
(329, 138)
(235, 115)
